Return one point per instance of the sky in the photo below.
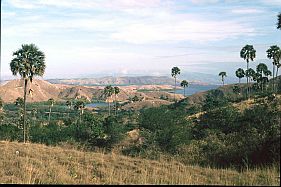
(90, 38)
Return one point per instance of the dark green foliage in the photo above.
(214, 99)
(222, 119)
(169, 127)
(228, 137)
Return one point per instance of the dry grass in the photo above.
(39, 164)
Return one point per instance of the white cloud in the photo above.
(87, 4)
(31, 4)
(204, 1)
(272, 2)
(177, 30)
(246, 11)
(6, 15)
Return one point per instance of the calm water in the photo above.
(97, 105)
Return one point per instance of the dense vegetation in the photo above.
(222, 136)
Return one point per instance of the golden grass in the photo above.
(40, 164)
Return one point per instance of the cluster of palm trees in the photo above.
(108, 91)
(262, 72)
(248, 53)
(184, 83)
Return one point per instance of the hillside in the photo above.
(39, 164)
(42, 91)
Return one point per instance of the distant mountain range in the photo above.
(192, 78)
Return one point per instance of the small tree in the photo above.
(107, 92)
(1, 104)
(116, 92)
(80, 105)
(240, 74)
(222, 74)
(51, 102)
(69, 105)
(184, 84)
(175, 72)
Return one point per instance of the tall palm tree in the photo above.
(116, 91)
(184, 84)
(240, 74)
(108, 92)
(279, 21)
(222, 74)
(80, 105)
(69, 105)
(274, 53)
(175, 72)
(29, 61)
(248, 53)
(51, 102)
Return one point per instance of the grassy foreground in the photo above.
(40, 164)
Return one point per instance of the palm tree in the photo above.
(222, 74)
(184, 84)
(250, 73)
(248, 53)
(274, 53)
(19, 102)
(236, 89)
(29, 62)
(107, 92)
(1, 104)
(69, 105)
(175, 72)
(279, 21)
(116, 92)
(80, 105)
(51, 102)
(262, 70)
(240, 74)
(34, 112)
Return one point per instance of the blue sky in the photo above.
(145, 37)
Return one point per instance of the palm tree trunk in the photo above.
(247, 79)
(175, 89)
(115, 106)
(239, 80)
(50, 115)
(276, 79)
(80, 117)
(273, 78)
(184, 91)
(108, 108)
(24, 110)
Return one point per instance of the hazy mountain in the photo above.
(191, 77)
